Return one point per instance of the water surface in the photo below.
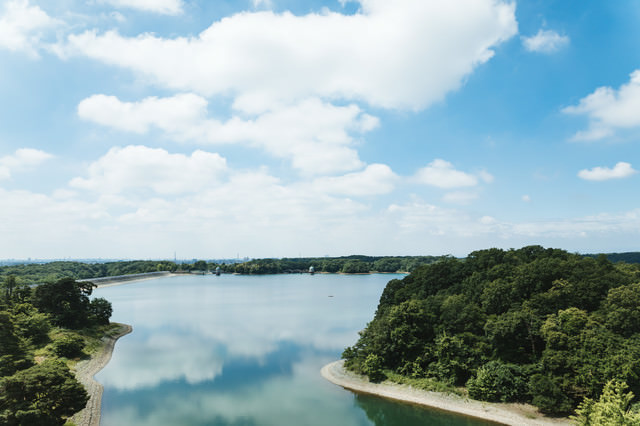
(244, 350)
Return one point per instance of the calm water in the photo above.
(243, 350)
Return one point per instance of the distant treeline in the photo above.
(628, 257)
(347, 264)
(36, 273)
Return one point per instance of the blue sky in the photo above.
(272, 128)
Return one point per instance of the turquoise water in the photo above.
(244, 350)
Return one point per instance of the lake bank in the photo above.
(508, 414)
(85, 371)
(126, 279)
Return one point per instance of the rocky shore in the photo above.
(86, 369)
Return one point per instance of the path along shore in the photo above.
(508, 414)
(86, 369)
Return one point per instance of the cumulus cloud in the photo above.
(316, 136)
(22, 26)
(442, 174)
(609, 110)
(619, 171)
(164, 7)
(545, 41)
(261, 58)
(374, 180)
(22, 159)
(156, 170)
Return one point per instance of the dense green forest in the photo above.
(44, 330)
(534, 325)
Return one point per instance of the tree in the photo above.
(612, 409)
(200, 265)
(12, 355)
(44, 394)
(100, 311)
(9, 286)
(496, 381)
(66, 300)
(68, 346)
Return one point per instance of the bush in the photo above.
(68, 346)
(373, 368)
(496, 381)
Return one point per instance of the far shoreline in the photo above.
(501, 413)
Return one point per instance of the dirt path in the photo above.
(508, 414)
(86, 369)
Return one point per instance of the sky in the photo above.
(145, 129)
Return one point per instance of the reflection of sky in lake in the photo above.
(235, 350)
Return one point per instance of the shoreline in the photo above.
(126, 279)
(85, 370)
(502, 413)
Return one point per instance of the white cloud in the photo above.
(22, 159)
(460, 197)
(526, 198)
(619, 171)
(22, 26)
(143, 168)
(314, 135)
(442, 174)
(374, 180)
(164, 7)
(401, 54)
(609, 109)
(545, 41)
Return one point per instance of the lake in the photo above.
(244, 350)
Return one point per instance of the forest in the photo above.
(43, 331)
(543, 326)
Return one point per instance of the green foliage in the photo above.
(66, 300)
(373, 368)
(68, 346)
(498, 382)
(612, 409)
(100, 311)
(44, 394)
(12, 353)
(534, 324)
(31, 325)
(348, 264)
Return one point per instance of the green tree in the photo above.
(12, 354)
(100, 311)
(9, 286)
(373, 368)
(498, 382)
(44, 394)
(68, 346)
(66, 300)
(612, 409)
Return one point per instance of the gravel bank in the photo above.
(508, 414)
(86, 369)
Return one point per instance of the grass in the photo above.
(425, 384)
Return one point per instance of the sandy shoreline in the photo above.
(508, 414)
(86, 369)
